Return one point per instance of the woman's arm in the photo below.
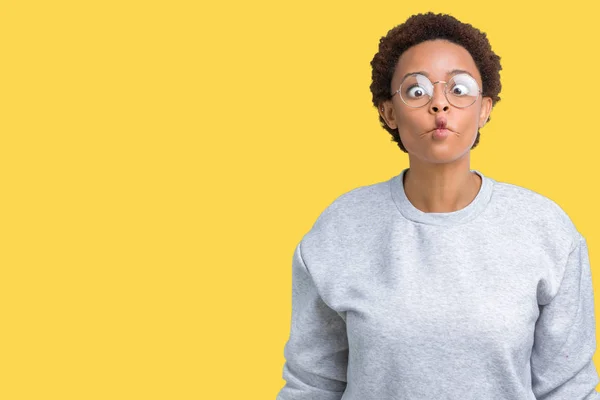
(316, 352)
(565, 336)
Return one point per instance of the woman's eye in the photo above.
(463, 85)
(460, 90)
(415, 91)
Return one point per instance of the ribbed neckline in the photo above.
(409, 211)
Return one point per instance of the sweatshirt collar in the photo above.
(410, 212)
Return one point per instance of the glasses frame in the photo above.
(479, 92)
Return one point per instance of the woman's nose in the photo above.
(439, 101)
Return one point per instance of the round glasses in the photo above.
(461, 90)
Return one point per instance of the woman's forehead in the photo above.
(438, 60)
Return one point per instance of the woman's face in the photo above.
(417, 126)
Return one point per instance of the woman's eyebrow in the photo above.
(454, 71)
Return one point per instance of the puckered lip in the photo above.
(445, 128)
(441, 122)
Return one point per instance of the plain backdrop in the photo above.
(160, 160)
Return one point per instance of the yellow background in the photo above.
(161, 160)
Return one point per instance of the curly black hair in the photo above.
(429, 26)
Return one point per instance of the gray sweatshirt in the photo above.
(490, 302)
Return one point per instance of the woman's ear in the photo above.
(486, 108)
(388, 114)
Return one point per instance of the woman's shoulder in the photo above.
(355, 205)
(526, 205)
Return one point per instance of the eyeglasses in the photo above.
(461, 90)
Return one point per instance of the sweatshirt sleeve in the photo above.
(565, 336)
(316, 352)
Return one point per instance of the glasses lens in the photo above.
(416, 90)
(462, 90)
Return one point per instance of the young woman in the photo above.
(441, 282)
